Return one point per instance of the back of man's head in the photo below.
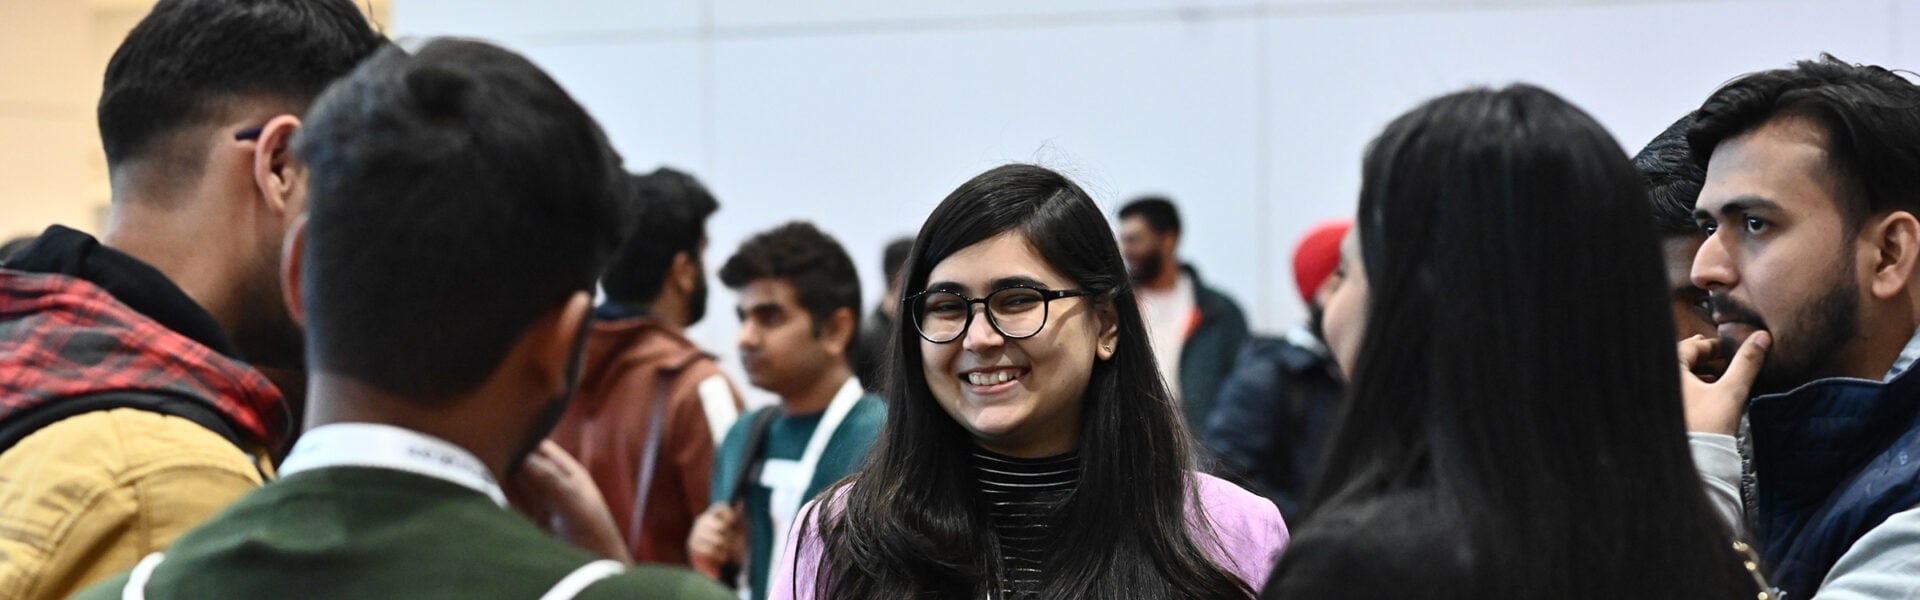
(894, 257)
(819, 269)
(1869, 116)
(458, 194)
(1158, 212)
(669, 217)
(189, 61)
(1673, 179)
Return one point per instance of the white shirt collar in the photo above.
(1907, 357)
(388, 447)
(1304, 338)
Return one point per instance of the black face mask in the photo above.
(549, 416)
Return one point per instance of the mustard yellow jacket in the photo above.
(87, 497)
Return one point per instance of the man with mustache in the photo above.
(1197, 331)
(1812, 187)
(462, 206)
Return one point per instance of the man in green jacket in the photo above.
(1197, 331)
(461, 207)
(799, 309)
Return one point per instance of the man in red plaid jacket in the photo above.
(134, 397)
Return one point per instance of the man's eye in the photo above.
(1709, 227)
(1755, 224)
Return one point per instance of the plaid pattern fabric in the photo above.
(62, 337)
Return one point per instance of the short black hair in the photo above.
(1673, 179)
(669, 216)
(189, 59)
(456, 195)
(1157, 210)
(894, 257)
(818, 268)
(1870, 116)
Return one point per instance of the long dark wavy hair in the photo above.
(911, 524)
(1516, 384)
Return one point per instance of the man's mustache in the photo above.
(1728, 310)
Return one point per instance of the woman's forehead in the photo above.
(1005, 256)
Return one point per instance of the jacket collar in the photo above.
(63, 251)
(1809, 440)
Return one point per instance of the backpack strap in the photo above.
(750, 460)
(751, 464)
(650, 453)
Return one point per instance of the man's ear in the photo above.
(293, 252)
(838, 331)
(275, 172)
(1895, 247)
(1108, 342)
(684, 273)
(551, 339)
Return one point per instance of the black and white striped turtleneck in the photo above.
(1019, 495)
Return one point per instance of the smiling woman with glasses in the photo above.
(1031, 448)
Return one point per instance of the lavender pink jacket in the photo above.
(1249, 530)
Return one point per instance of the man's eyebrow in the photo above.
(764, 307)
(1739, 204)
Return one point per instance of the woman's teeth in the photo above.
(996, 377)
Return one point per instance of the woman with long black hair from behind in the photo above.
(1513, 427)
(1031, 449)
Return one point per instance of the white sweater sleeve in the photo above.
(1717, 457)
(1883, 564)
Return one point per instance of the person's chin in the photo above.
(996, 422)
(761, 380)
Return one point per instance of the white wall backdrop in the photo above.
(860, 115)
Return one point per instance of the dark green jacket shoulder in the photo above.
(1208, 356)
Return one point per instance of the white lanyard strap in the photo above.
(388, 447)
(136, 588)
(837, 410)
(787, 481)
(580, 578)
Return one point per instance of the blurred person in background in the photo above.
(1196, 331)
(799, 306)
(876, 330)
(651, 405)
(1276, 409)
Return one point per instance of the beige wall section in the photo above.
(52, 55)
(51, 168)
